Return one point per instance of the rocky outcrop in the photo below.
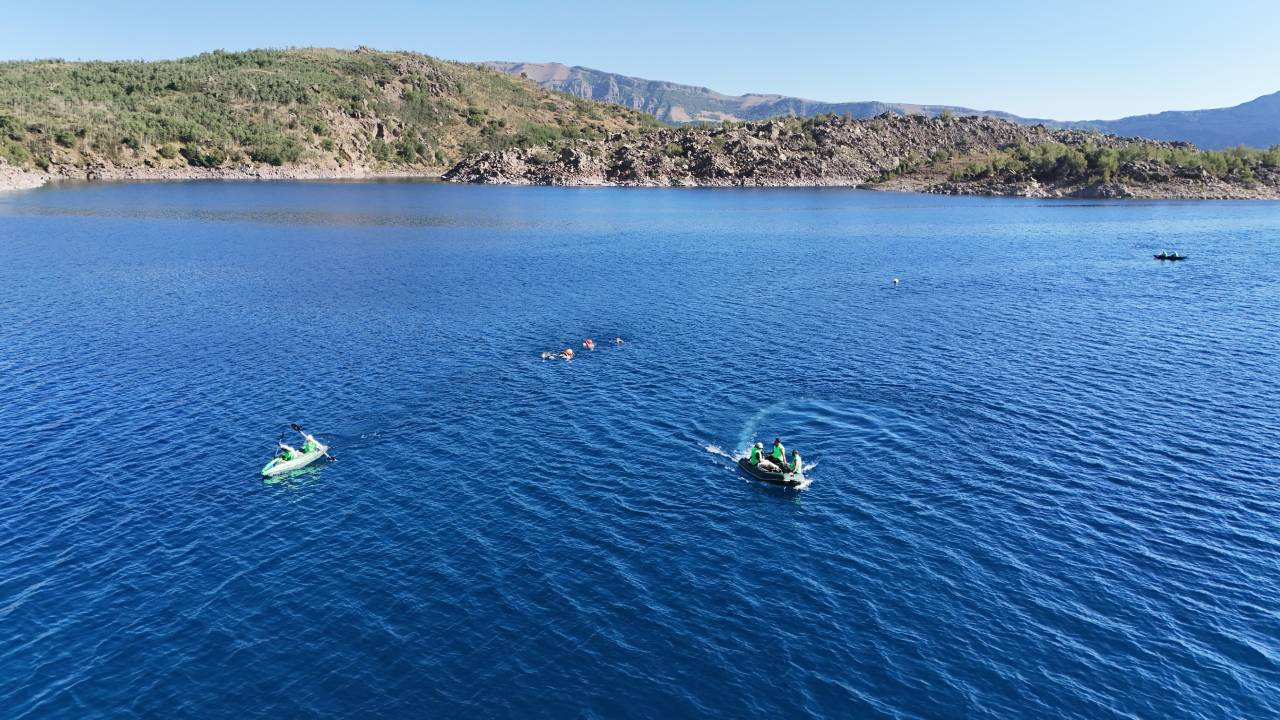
(896, 152)
(833, 151)
(909, 153)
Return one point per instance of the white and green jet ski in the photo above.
(279, 465)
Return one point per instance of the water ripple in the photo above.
(1043, 466)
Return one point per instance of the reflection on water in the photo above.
(297, 479)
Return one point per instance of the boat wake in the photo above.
(716, 450)
(753, 423)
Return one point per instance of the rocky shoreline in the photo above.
(889, 152)
(1122, 188)
(1186, 190)
(944, 155)
(15, 179)
(12, 178)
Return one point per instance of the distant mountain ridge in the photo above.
(676, 103)
(1255, 123)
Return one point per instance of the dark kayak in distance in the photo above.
(776, 478)
(1169, 257)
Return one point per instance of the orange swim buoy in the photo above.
(589, 344)
(568, 353)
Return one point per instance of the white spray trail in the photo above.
(753, 423)
(716, 450)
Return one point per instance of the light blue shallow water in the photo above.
(1045, 484)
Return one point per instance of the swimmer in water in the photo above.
(617, 341)
(589, 344)
(567, 354)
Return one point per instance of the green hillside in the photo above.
(320, 108)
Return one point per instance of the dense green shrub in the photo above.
(14, 153)
(537, 134)
(1054, 162)
(275, 150)
(410, 150)
(11, 128)
(380, 150)
(197, 157)
(168, 151)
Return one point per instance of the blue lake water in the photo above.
(1044, 476)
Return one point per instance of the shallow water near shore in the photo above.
(1044, 483)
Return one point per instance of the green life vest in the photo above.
(309, 446)
(286, 454)
(755, 456)
(778, 453)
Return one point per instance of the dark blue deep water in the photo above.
(1046, 478)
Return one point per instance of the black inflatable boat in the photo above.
(776, 478)
(1164, 256)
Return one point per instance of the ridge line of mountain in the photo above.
(325, 113)
(1255, 123)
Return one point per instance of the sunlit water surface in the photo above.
(1045, 478)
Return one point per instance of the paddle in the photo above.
(298, 429)
(279, 448)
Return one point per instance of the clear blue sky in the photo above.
(1069, 61)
